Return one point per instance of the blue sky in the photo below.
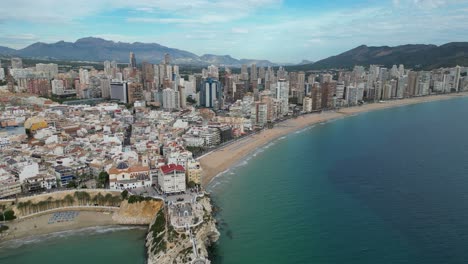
(277, 30)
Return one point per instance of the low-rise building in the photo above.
(9, 186)
(40, 182)
(124, 177)
(194, 171)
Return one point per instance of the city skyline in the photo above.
(251, 29)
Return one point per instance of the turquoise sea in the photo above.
(112, 244)
(389, 186)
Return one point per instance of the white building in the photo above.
(26, 169)
(57, 87)
(282, 94)
(307, 104)
(49, 70)
(169, 99)
(9, 185)
(171, 178)
(124, 177)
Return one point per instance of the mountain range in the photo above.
(416, 56)
(97, 49)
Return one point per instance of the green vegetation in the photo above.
(171, 234)
(159, 229)
(138, 198)
(59, 99)
(3, 228)
(8, 215)
(103, 179)
(79, 198)
(72, 184)
(196, 151)
(191, 100)
(191, 184)
(124, 195)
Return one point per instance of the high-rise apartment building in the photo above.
(132, 61)
(16, 63)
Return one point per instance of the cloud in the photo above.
(237, 30)
(424, 4)
(54, 11)
(241, 28)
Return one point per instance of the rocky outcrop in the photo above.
(139, 213)
(168, 245)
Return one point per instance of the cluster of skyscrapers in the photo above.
(262, 94)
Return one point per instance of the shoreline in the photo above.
(38, 226)
(220, 160)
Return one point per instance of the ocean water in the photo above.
(100, 245)
(389, 186)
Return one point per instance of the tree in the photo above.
(103, 179)
(69, 200)
(124, 195)
(72, 184)
(108, 199)
(191, 184)
(9, 215)
(191, 100)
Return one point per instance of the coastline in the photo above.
(39, 225)
(220, 160)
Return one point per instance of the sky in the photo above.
(282, 31)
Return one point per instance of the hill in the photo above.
(412, 56)
(98, 50)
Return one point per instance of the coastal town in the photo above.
(154, 132)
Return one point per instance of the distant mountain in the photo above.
(305, 62)
(97, 49)
(412, 56)
(219, 59)
(6, 51)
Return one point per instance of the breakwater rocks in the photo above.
(166, 244)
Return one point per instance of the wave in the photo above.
(16, 243)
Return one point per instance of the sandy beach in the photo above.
(222, 159)
(39, 225)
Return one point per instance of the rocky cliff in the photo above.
(140, 213)
(168, 245)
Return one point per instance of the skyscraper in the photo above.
(282, 95)
(132, 62)
(16, 63)
(167, 59)
(244, 73)
(169, 99)
(253, 73)
(107, 68)
(210, 94)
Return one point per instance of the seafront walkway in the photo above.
(57, 191)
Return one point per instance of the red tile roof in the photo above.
(171, 167)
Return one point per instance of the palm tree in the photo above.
(100, 199)
(69, 200)
(108, 198)
(20, 206)
(86, 197)
(49, 201)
